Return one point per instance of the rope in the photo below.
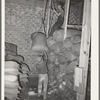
(52, 7)
(43, 18)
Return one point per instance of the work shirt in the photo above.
(42, 68)
(58, 23)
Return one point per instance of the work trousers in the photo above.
(43, 83)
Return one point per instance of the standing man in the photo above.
(42, 74)
(59, 11)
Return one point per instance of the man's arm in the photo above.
(45, 55)
(56, 12)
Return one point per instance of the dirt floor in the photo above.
(32, 86)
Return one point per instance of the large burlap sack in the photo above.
(69, 55)
(25, 67)
(17, 58)
(13, 91)
(25, 79)
(53, 72)
(24, 72)
(11, 71)
(23, 76)
(68, 43)
(50, 65)
(61, 59)
(76, 48)
(59, 35)
(70, 68)
(63, 70)
(11, 78)
(11, 96)
(12, 84)
(72, 32)
(52, 57)
(57, 47)
(11, 64)
(10, 52)
(10, 48)
(63, 67)
(51, 41)
(39, 42)
(76, 38)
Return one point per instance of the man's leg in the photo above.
(40, 86)
(45, 87)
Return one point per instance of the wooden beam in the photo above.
(85, 46)
(67, 3)
(48, 18)
(75, 26)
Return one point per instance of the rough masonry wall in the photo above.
(21, 21)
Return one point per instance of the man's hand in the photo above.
(45, 54)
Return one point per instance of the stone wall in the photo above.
(22, 19)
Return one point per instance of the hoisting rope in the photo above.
(51, 18)
(43, 18)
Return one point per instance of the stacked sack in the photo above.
(12, 72)
(24, 75)
(63, 57)
(12, 86)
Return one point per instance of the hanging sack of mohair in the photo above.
(51, 41)
(67, 43)
(59, 35)
(76, 38)
(57, 47)
(12, 91)
(39, 42)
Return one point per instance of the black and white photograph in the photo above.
(47, 52)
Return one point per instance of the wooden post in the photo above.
(48, 18)
(67, 3)
(75, 26)
(85, 46)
